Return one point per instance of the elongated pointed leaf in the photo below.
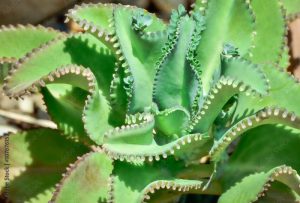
(248, 73)
(87, 180)
(36, 159)
(253, 186)
(153, 177)
(292, 8)
(176, 82)
(16, 41)
(263, 117)
(219, 95)
(138, 57)
(74, 91)
(81, 49)
(283, 93)
(252, 155)
(222, 27)
(270, 37)
(96, 17)
(172, 121)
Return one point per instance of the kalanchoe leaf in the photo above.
(4, 69)
(182, 148)
(176, 81)
(230, 51)
(68, 101)
(80, 49)
(225, 89)
(172, 121)
(263, 117)
(161, 174)
(270, 37)
(35, 159)
(284, 145)
(181, 10)
(74, 92)
(247, 72)
(200, 6)
(255, 186)
(223, 27)
(138, 65)
(88, 178)
(18, 40)
(118, 97)
(137, 132)
(140, 21)
(96, 18)
(93, 17)
(138, 141)
(292, 8)
(197, 16)
(278, 83)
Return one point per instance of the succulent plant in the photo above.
(203, 105)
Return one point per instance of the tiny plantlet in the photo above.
(148, 111)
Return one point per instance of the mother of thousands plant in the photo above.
(152, 111)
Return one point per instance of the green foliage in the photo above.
(143, 105)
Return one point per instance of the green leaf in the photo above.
(118, 97)
(279, 192)
(282, 85)
(270, 37)
(262, 117)
(68, 101)
(250, 74)
(292, 8)
(253, 186)
(36, 160)
(252, 155)
(74, 91)
(87, 180)
(94, 17)
(4, 69)
(284, 62)
(176, 82)
(200, 6)
(172, 121)
(18, 40)
(138, 141)
(97, 112)
(138, 132)
(218, 96)
(97, 17)
(138, 57)
(152, 177)
(223, 27)
(80, 49)
(241, 27)
(188, 147)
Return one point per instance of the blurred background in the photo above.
(29, 112)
